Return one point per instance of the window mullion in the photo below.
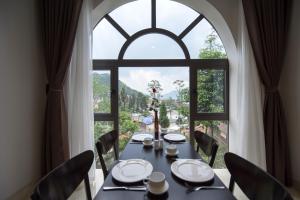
(191, 26)
(117, 26)
(153, 13)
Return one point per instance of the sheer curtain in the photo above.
(78, 87)
(249, 141)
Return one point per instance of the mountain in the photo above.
(104, 81)
(172, 95)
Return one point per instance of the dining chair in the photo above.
(62, 181)
(104, 144)
(208, 145)
(253, 181)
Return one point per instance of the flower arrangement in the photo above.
(154, 89)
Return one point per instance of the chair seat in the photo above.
(104, 145)
(208, 145)
(61, 182)
(253, 181)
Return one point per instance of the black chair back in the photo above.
(253, 181)
(61, 182)
(104, 144)
(207, 144)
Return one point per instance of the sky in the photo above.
(138, 78)
(135, 16)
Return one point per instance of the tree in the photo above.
(182, 103)
(213, 49)
(210, 82)
(141, 102)
(123, 97)
(126, 123)
(163, 118)
(144, 103)
(127, 128)
(101, 127)
(170, 104)
(101, 92)
(132, 102)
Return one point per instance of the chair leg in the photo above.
(231, 184)
(87, 187)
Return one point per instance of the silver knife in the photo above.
(125, 188)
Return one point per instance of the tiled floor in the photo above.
(224, 175)
(79, 194)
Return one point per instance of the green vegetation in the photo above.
(182, 106)
(127, 128)
(102, 127)
(130, 101)
(210, 82)
(101, 90)
(163, 118)
(213, 49)
(210, 98)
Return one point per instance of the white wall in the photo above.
(229, 10)
(290, 91)
(22, 95)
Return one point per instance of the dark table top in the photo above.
(162, 163)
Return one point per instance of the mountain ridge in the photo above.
(104, 80)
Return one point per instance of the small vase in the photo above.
(156, 127)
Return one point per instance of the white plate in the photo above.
(174, 137)
(158, 191)
(170, 154)
(192, 170)
(132, 170)
(141, 136)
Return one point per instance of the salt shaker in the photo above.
(161, 143)
(156, 145)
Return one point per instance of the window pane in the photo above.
(154, 46)
(219, 131)
(100, 128)
(134, 16)
(107, 41)
(174, 16)
(210, 90)
(203, 42)
(134, 100)
(101, 92)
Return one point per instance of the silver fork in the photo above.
(192, 189)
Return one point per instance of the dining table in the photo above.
(178, 189)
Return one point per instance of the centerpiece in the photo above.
(154, 89)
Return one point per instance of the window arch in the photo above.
(187, 28)
(186, 31)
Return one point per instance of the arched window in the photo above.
(140, 37)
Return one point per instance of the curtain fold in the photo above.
(267, 23)
(249, 142)
(59, 23)
(79, 89)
